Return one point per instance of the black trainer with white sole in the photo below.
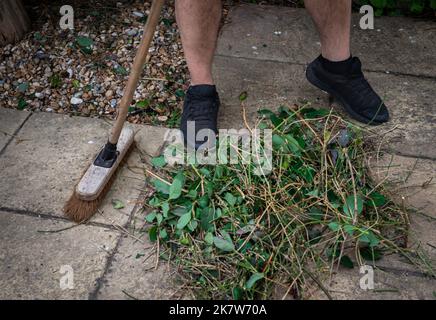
(353, 91)
(200, 111)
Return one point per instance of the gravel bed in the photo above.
(83, 72)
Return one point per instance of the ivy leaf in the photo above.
(253, 279)
(159, 162)
(349, 206)
(161, 186)
(163, 234)
(22, 104)
(377, 199)
(165, 209)
(180, 93)
(184, 220)
(369, 238)
(159, 218)
(176, 186)
(370, 254)
(121, 71)
(143, 104)
(152, 233)
(208, 238)
(346, 262)
(349, 229)
(230, 198)
(150, 217)
(277, 141)
(223, 244)
(334, 226)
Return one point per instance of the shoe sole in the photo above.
(325, 87)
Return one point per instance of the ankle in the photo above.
(337, 67)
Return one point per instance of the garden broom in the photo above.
(96, 181)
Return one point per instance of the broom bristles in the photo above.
(79, 210)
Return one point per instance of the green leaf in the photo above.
(230, 198)
(316, 214)
(143, 104)
(349, 229)
(84, 42)
(165, 209)
(293, 144)
(237, 293)
(152, 234)
(159, 162)
(121, 71)
(265, 112)
(163, 234)
(253, 279)
(371, 254)
(177, 186)
(184, 220)
(346, 262)
(159, 218)
(243, 96)
(208, 238)
(334, 226)
(117, 204)
(370, 238)
(180, 93)
(378, 199)
(76, 83)
(349, 206)
(161, 186)
(277, 141)
(223, 244)
(192, 225)
(206, 219)
(22, 104)
(150, 217)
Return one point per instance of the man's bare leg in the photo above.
(198, 21)
(332, 18)
(335, 71)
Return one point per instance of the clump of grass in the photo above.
(237, 235)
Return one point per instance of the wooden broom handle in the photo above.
(137, 68)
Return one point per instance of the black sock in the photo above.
(203, 90)
(339, 67)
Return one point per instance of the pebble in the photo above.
(138, 14)
(75, 101)
(39, 95)
(132, 32)
(109, 94)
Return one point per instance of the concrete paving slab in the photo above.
(268, 85)
(387, 286)
(396, 44)
(411, 181)
(39, 173)
(31, 260)
(10, 122)
(132, 273)
(271, 84)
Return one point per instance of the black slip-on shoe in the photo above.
(199, 117)
(352, 90)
